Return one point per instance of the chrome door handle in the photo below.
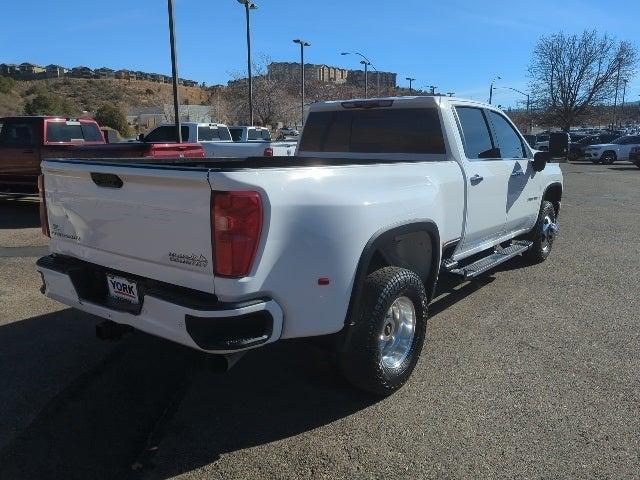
(519, 173)
(476, 179)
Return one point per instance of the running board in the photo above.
(478, 267)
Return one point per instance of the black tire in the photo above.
(608, 158)
(542, 243)
(361, 361)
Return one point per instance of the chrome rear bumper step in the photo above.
(478, 267)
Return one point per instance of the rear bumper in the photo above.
(193, 319)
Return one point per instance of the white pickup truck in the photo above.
(217, 141)
(344, 240)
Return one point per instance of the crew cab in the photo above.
(26, 141)
(608, 153)
(345, 240)
(217, 140)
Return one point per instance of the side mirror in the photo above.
(559, 145)
(540, 160)
(141, 137)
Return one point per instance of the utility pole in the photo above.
(174, 71)
(302, 45)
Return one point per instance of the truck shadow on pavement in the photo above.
(19, 214)
(76, 407)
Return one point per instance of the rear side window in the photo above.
(18, 134)
(210, 134)
(73, 132)
(507, 138)
(399, 130)
(236, 134)
(475, 133)
(261, 134)
(166, 134)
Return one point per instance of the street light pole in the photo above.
(366, 77)
(615, 101)
(248, 5)
(365, 71)
(411, 80)
(174, 71)
(497, 77)
(302, 45)
(624, 92)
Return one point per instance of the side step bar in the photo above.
(478, 267)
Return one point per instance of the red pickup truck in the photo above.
(26, 141)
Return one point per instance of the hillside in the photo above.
(89, 94)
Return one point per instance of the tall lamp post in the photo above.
(174, 71)
(624, 92)
(497, 77)
(302, 44)
(248, 6)
(411, 80)
(433, 89)
(366, 64)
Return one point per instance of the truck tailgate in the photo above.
(150, 221)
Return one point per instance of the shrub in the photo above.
(109, 115)
(6, 84)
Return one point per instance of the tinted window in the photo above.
(73, 132)
(236, 134)
(399, 130)
(261, 134)
(209, 134)
(17, 134)
(166, 134)
(507, 139)
(475, 132)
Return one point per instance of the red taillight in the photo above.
(236, 224)
(44, 218)
(268, 152)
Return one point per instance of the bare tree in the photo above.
(570, 74)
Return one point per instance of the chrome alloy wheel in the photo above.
(549, 231)
(397, 333)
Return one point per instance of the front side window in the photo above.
(507, 138)
(475, 133)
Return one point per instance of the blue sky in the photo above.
(458, 45)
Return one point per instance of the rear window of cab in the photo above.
(66, 132)
(393, 130)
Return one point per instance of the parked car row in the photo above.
(218, 140)
(599, 147)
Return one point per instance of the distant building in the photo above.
(104, 72)
(55, 71)
(386, 79)
(323, 73)
(81, 72)
(146, 118)
(9, 70)
(125, 75)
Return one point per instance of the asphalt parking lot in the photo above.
(526, 373)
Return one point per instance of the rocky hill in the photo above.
(89, 94)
